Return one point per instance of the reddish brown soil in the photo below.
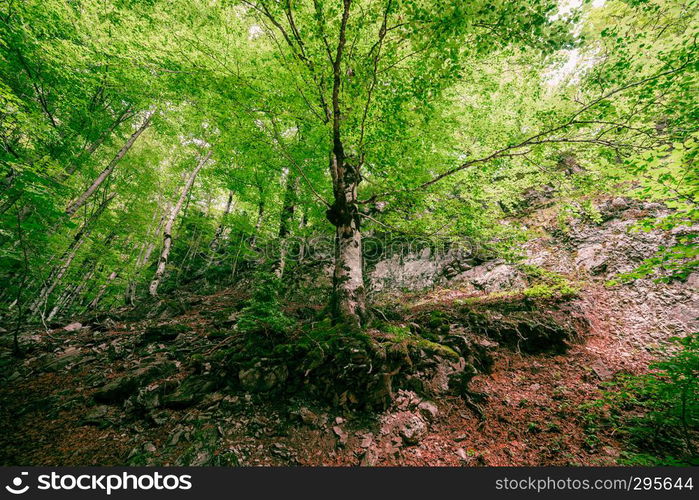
(532, 415)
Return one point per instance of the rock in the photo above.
(311, 418)
(163, 333)
(98, 416)
(307, 416)
(592, 258)
(51, 363)
(121, 388)
(612, 452)
(367, 441)
(261, 378)
(463, 456)
(603, 372)
(428, 410)
(494, 276)
(175, 438)
(412, 428)
(148, 399)
(159, 417)
(191, 391)
(370, 457)
(204, 457)
(73, 327)
(341, 435)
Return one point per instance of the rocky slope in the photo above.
(489, 368)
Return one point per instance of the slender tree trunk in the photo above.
(167, 232)
(80, 201)
(89, 149)
(57, 273)
(69, 294)
(221, 226)
(143, 257)
(94, 302)
(213, 246)
(285, 220)
(258, 223)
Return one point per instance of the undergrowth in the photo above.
(656, 413)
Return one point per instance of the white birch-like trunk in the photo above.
(167, 230)
(75, 205)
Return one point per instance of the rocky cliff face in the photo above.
(587, 252)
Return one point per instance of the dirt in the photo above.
(531, 415)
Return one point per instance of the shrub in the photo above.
(659, 411)
(263, 314)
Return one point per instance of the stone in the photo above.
(307, 416)
(412, 428)
(98, 416)
(367, 441)
(341, 435)
(463, 456)
(54, 363)
(261, 378)
(163, 333)
(494, 276)
(72, 327)
(191, 391)
(428, 410)
(603, 372)
(370, 458)
(122, 387)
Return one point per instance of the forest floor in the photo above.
(532, 416)
(140, 387)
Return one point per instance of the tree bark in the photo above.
(75, 205)
(89, 149)
(258, 223)
(57, 273)
(144, 256)
(167, 231)
(285, 220)
(221, 226)
(213, 246)
(94, 302)
(69, 294)
(348, 298)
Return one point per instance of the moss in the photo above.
(439, 321)
(402, 335)
(549, 291)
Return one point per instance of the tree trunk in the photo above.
(144, 256)
(167, 231)
(258, 223)
(286, 218)
(348, 299)
(94, 302)
(221, 226)
(57, 273)
(66, 299)
(89, 149)
(75, 205)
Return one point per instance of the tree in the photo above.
(170, 221)
(366, 60)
